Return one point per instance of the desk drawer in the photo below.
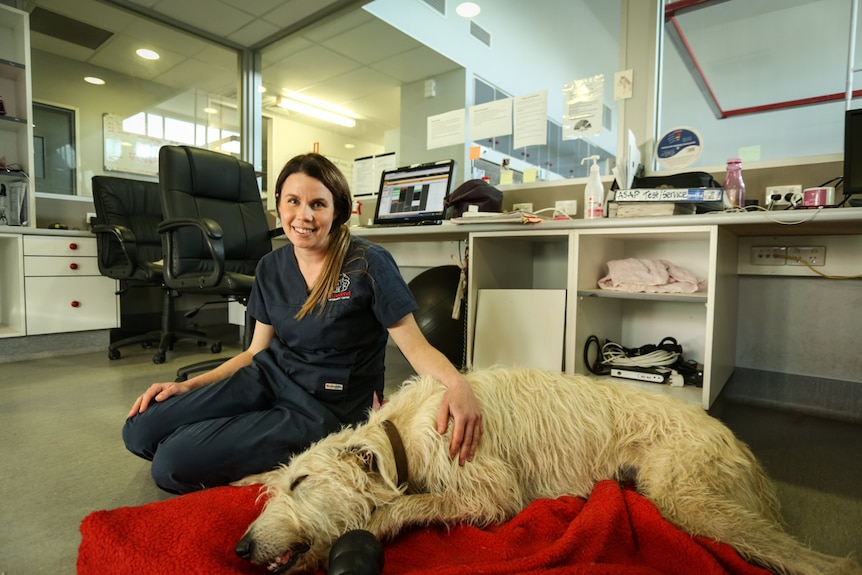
(60, 266)
(59, 246)
(64, 304)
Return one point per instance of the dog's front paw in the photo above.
(380, 525)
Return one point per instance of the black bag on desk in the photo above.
(475, 193)
(680, 181)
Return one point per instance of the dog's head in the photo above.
(329, 489)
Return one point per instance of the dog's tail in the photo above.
(780, 553)
(763, 542)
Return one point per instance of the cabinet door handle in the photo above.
(76, 303)
(73, 246)
(73, 266)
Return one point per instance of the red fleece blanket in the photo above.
(615, 531)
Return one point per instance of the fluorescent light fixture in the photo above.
(468, 9)
(94, 80)
(147, 54)
(314, 111)
(261, 89)
(320, 104)
(210, 111)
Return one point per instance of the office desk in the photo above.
(571, 255)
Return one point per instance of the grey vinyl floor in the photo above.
(62, 456)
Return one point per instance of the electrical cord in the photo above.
(666, 357)
(557, 213)
(818, 272)
(664, 354)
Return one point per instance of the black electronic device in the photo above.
(852, 152)
(414, 195)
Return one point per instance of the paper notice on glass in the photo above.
(623, 86)
(367, 172)
(490, 119)
(531, 120)
(363, 183)
(448, 129)
(582, 107)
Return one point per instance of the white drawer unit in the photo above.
(60, 304)
(63, 288)
(59, 246)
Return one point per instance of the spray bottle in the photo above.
(594, 193)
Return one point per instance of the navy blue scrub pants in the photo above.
(224, 431)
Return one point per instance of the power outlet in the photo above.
(781, 195)
(523, 207)
(568, 207)
(806, 255)
(768, 255)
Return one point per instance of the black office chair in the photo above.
(215, 229)
(129, 248)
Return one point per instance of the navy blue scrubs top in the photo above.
(337, 356)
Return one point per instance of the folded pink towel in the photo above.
(637, 275)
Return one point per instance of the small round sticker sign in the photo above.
(678, 148)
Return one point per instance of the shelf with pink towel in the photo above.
(697, 297)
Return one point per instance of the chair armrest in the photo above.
(126, 239)
(212, 235)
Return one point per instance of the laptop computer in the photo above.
(414, 195)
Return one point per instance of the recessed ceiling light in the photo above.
(468, 9)
(94, 80)
(210, 110)
(147, 54)
(349, 146)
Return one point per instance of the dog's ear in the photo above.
(362, 456)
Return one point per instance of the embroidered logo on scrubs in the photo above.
(342, 289)
(333, 387)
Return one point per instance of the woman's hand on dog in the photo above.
(468, 427)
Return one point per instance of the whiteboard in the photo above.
(130, 153)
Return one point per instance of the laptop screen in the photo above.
(414, 194)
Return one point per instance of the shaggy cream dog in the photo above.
(546, 435)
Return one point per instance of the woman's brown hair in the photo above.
(323, 170)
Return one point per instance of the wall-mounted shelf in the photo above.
(16, 130)
(698, 297)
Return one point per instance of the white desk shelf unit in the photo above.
(574, 260)
(703, 323)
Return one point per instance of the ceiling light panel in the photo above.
(314, 112)
(468, 9)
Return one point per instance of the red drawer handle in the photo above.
(73, 246)
(76, 303)
(73, 266)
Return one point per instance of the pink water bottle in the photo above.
(734, 187)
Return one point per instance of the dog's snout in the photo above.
(245, 547)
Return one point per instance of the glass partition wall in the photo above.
(383, 68)
(393, 66)
(128, 102)
(766, 95)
